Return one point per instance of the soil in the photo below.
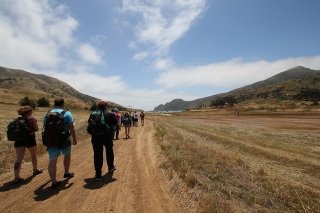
(135, 186)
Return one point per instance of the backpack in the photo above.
(17, 130)
(97, 124)
(126, 120)
(54, 134)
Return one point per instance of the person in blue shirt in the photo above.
(65, 145)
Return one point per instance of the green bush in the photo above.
(26, 101)
(43, 102)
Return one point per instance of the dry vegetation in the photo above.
(9, 112)
(263, 163)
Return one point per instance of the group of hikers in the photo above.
(59, 134)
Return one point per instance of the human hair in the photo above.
(59, 102)
(25, 110)
(102, 105)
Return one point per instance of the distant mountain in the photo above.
(296, 83)
(19, 83)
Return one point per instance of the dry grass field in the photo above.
(250, 163)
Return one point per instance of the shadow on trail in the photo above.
(10, 185)
(92, 183)
(44, 192)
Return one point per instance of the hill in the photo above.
(286, 89)
(16, 84)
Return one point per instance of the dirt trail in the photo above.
(134, 186)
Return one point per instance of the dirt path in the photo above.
(134, 187)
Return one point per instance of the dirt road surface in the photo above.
(135, 186)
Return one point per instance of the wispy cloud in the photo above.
(33, 32)
(161, 23)
(231, 73)
(89, 54)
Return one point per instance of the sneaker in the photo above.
(68, 175)
(55, 185)
(37, 171)
(112, 170)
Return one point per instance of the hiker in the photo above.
(103, 139)
(29, 142)
(142, 118)
(118, 127)
(126, 122)
(63, 144)
(135, 119)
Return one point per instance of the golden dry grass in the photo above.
(244, 163)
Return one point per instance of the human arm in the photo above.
(73, 134)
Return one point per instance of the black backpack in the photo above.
(97, 124)
(17, 130)
(53, 133)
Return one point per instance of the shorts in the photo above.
(29, 142)
(55, 152)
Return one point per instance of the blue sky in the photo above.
(142, 53)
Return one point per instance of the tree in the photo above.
(218, 102)
(43, 102)
(27, 102)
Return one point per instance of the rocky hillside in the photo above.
(15, 84)
(296, 84)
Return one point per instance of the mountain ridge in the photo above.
(290, 82)
(23, 83)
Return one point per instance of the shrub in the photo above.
(26, 101)
(43, 102)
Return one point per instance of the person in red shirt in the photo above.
(30, 143)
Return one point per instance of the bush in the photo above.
(26, 101)
(43, 102)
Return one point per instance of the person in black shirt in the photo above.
(104, 140)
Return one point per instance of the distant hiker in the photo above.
(127, 122)
(135, 118)
(118, 127)
(58, 126)
(142, 118)
(27, 141)
(101, 126)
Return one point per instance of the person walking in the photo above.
(29, 142)
(135, 119)
(104, 139)
(127, 122)
(142, 118)
(63, 147)
(118, 127)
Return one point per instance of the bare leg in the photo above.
(52, 169)
(19, 157)
(33, 153)
(66, 163)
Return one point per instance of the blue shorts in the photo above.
(55, 152)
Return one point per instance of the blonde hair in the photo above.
(25, 110)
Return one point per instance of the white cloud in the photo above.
(163, 63)
(89, 54)
(232, 73)
(32, 33)
(163, 22)
(140, 56)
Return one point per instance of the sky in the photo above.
(142, 53)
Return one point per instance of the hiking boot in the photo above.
(68, 175)
(55, 185)
(37, 171)
(112, 170)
